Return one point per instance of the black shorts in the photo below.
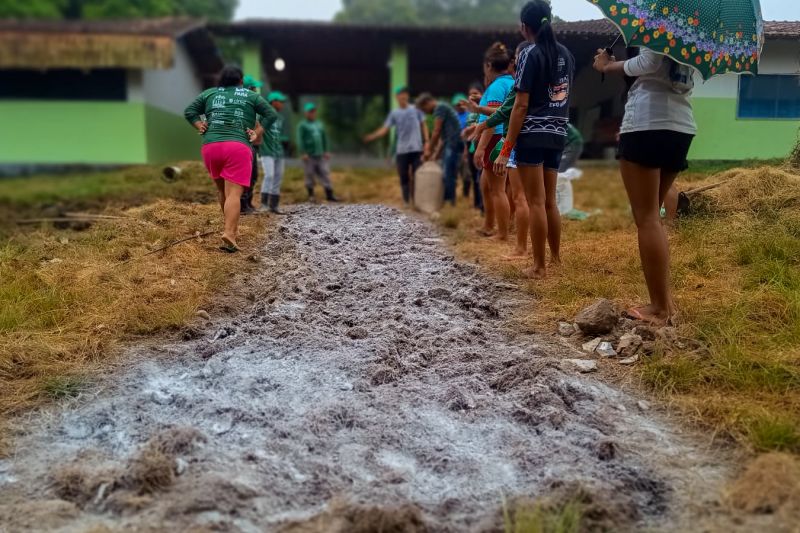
(537, 157)
(662, 149)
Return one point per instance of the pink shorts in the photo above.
(229, 160)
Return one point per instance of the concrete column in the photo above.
(252, 63)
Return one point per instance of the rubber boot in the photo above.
(274, 200)
(331, 197)
(311, 198)
(265, 202)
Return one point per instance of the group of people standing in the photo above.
(516, 137)
(239, 127)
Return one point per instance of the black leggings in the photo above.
(407, 165)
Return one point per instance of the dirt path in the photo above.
(375, 370)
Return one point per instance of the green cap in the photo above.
(458, 97)
(400, 89)
(309, 107)
(276, 96)
(250, 81)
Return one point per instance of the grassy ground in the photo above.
(737, 278)
(69, 298)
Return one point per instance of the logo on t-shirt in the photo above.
(218, 102)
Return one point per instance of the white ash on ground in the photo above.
(371, 369)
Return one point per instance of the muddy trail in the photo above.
(374, 380)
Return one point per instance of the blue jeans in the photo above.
(450, 161)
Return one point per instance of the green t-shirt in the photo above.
(271, 145)
(229, 112)
(311, 138)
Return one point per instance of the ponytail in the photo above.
(537, 15)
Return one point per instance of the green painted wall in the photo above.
(251, 60)
(722, 136)
(398, 73)
(53, 132)
(169, 137)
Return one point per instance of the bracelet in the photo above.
(506, 151)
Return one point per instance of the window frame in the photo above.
(739, 99)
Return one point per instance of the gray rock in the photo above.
(592, 345)
(630, 360)
(598, 319)
(629, 345)
(606, 349)
(644, 406)
(203, 314)
(583, 365)
(565, 329)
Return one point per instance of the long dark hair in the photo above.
(537, 15)
(231, 76)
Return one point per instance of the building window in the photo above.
(769, 97)
(64, 84)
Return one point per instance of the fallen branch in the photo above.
(170, 245)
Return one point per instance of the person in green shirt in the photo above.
(313, 145)
(225, 116)
(254, 85)
(272, 157)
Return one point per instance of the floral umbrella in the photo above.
(713, 36)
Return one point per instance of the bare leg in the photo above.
(233, 196)
(533, 183)
(510, 196)
(553, 216)
(502, 209)
(646, 188)
(220, 183)
(521, 214)
(488, 205)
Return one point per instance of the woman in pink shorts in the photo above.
(226, 118)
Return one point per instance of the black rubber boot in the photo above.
(311, 198)
(274, 200)
(330, 196)
(265, 202)
(245, 209)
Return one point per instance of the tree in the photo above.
(444, 12)
(102, 9)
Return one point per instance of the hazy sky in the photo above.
(567, 9)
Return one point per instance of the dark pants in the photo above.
(475, 176)
(407, 166)
(247, 195)
(452, 156)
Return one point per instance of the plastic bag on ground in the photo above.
(429, 188)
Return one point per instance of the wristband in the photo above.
(506, 151)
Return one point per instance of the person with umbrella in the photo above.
(659, 126)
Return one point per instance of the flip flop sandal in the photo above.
(635, 314)
(228, 246)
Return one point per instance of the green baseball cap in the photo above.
(276, 96)
(458, 97)
(309, 107)
(250, 81)
(401, 89)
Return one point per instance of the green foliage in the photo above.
(102, 9)
(540, 518)
(444, 12)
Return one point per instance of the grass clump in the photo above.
(541, 518)
(68, 298)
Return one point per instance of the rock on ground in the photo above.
(598, 319)
(371, 369)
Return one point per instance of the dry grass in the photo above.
(69, 298)
(736, 270)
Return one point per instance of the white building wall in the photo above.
(173, 89)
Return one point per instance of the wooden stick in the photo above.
(91, 215)
(704, 189)
(170, 245)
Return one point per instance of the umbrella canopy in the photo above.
(713, 36)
